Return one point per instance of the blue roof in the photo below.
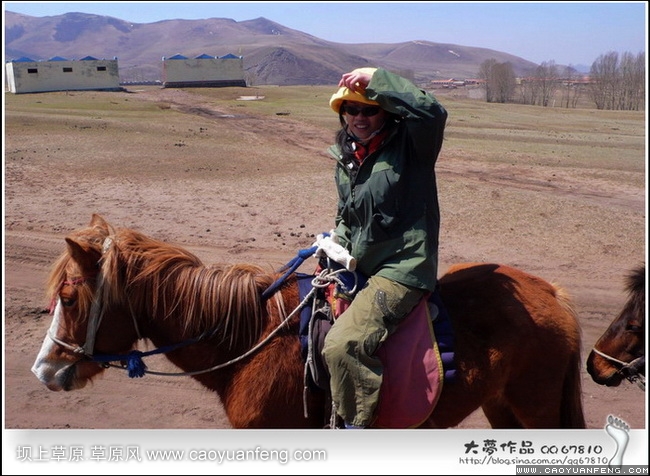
(179, 56)
(88, 58)
(230, 56)
(23, 59)
(57, 58)
(204, 56)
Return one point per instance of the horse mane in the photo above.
(635, 281)
(56, 279)
(635, 286)
(90, 238)
(165, 281)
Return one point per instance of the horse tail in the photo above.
(572, 415)
(572, 412)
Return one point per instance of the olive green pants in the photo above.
(350, 346)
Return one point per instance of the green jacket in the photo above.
(388, 216)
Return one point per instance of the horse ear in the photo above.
(86, 258)
(98, 221)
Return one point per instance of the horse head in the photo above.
(82, 304)
(620, 352)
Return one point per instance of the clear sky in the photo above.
(569, 33)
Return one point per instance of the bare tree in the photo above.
(632, 81)
(540, 85)
(499, 80)
(612, 84)
(639, 81)
(572, 87)
(528, 88)
(547, 78)
(504, 82)
(618, 84)
(485, 73)
(604, 80)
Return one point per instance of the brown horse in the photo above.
(620, 352)
(517, 340)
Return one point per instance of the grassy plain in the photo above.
(496, 132)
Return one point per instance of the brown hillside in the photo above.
(273, 54)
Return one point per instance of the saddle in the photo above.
(417, 358)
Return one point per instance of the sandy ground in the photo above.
(579, 228)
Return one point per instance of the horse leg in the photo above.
(549, 400)
(536, 406)
(500, 414)
(456, 403)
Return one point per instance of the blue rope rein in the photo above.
(290, 267)
(135, 365)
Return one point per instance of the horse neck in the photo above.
(175, 297)
(269, 344)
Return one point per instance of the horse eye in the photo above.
(634, 328)
(68, 302)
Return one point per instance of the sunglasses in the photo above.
(368, 111)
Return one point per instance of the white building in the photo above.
(204, 71)
(25, 75)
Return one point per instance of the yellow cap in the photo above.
(345, 94)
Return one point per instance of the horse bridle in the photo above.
(96, 314)
(630, 370)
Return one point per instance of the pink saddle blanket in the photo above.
(413, 372)
(413, 361)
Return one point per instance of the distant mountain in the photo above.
(273, 54)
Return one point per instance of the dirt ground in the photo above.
(584, 229)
